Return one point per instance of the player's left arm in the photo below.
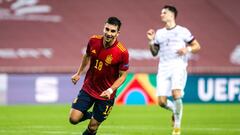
(122, 77)
(192, 47)
(120, 80)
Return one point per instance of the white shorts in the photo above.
(168, 80)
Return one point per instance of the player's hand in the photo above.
(107, 93)
(150, 34)
(75, 78)
(182, 51)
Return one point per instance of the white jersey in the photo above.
(169, 42)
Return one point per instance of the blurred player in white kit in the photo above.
(173, 42)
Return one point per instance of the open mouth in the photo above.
(109, 38)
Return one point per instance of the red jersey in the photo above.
(105, 65)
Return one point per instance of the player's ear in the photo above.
(118, 33)
(104, 30)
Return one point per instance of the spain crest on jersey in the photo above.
(108, 59)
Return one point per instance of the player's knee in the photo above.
(161, 103)
(93, 127)
(73, 121)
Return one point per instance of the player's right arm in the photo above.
(153, 48)
(84, 63)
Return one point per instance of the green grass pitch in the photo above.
(198, 119)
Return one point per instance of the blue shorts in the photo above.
(101, 108)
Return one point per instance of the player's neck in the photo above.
(108, 44)
(170, 25)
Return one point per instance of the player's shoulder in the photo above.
(95, 40)
(181, 28)
(121, 47)
(96, 37)
(161, 31)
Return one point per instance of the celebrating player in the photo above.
(173, 42)
(108, 60)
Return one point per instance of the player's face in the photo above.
(110, 32)
(166, 15)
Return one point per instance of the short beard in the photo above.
(107, 43)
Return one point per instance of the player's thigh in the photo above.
(163, 86)
(81, 104)
(102, 109)
(178, 80)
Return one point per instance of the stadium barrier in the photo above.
(138, 89)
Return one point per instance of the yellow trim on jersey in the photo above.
(121, 47)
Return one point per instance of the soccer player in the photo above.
(173, 42)
(108, 60)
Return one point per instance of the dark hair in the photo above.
(114, 21)
(172, 9)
